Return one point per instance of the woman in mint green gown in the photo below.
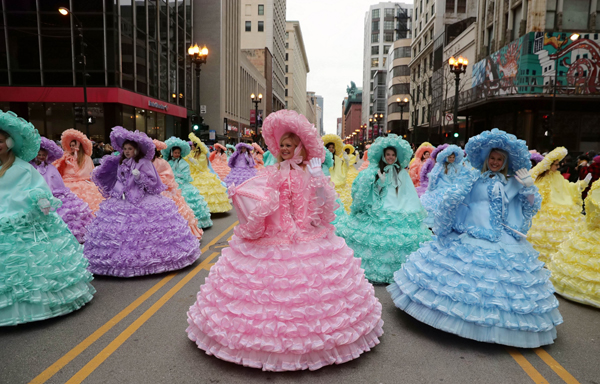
(386, 220)
(43, 272)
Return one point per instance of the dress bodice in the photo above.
(241, 160)
(556, 190)
(401, 195)
(51, 176)
(21, 188)
(181, 170)
(70, 169)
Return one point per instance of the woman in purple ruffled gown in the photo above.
(137, 231)
(75, 212)
(241, 164)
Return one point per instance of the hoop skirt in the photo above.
(478, 279)
(193, 197)
(576, 266)
(339, 174)
(78, 180)
(242, 168)
(219, 164)
(352, 172)
(559, 215)
(287, 294)
(42, 269)
(209, 185)
(438, 183)
(137, 231)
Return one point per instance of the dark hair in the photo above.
(171, 151)
(383, 164)
(157, 154)
(331, 143)
(138, 156)
(423, 155)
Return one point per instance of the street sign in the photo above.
(212, 134)
(203, 109)
(449, 117)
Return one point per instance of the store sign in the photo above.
(212, 134)
(157, 105)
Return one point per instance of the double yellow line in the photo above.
(534, 374)
(83, 373)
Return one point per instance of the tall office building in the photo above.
(296, 68)
(320, 111)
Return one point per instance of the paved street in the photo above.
(133, 331)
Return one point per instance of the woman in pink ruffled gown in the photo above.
(287, 294)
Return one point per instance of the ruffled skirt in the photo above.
(383, 242)
(86, 191)
(551, 226)
(185, 211)
(352, 174)
(431, 200)
(286, 307)
(238, 175)
(576, 267)
(421, 189)
(339, 212)
(128, 240)
(345, 192)
(214, 193)
(43, 273)
(197, 203)
(75, 212)
(491, 292)
(221, 168)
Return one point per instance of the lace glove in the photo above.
(136, 174)
(346, 158)
(524, 178)
(314, 167)
(44, 206)
(381, 175)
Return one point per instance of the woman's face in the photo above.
(287, 148)
(129, 151)
(193, 146)
(426, 155)
(495, 161)
(176, 153)
(42, 156)
(555, 166)
(451, 158)
(390, 156)
(74, 146)
(331, 148)
(347, 150)
(3, 146)
(243, 149)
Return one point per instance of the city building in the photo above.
(338, 130)
(536, 60)
(263, 42)
(138, 72)
(311, 108)
(352, 130)
(296, 68)
(320, 105)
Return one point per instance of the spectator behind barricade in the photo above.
(97, 151)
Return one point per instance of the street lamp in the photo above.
(458, 67)
(377, 118)
(66, 12)
(256, 100)
(402, 103)
(573, 37)
(198, 57)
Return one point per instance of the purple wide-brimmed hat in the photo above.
(54, 151)
(119, 135)
(239, 146)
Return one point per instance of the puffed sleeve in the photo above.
(149, 179)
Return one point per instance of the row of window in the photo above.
(387, 26)
(261, 9)
(388, 37)
(375, 49)
(424, 90)
(388, 12)
(261, 26)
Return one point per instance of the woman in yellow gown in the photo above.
(339, 171)
(352, 172)
(576, 266)
(561, 205)
(208, 183)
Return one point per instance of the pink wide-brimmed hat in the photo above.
(283, 121)
(159, 145)
(73, 134)
(257, 148)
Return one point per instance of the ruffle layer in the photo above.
(286, 307)
(42, 270)
(214, 193)
(86, 191)
(196, 202)
(551, 226)
(185, 211)
(384, 242)
(132, 240)
(220, 166)
(352, 174)
(75, 212)
(238, 175)
(480, 290)
(576, 267)
(345, 193)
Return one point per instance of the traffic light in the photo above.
(195, 127)
(91, 120)
(455, 134)
(546, 125)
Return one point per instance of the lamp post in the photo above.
(458, 67)
(256, 100)
(198, 57)
(573, 37)
(377, 118)
(402, 103)
(66, 12)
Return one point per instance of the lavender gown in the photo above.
(136, 231)
(242, 168)
(75, 212)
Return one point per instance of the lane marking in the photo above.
(127, 333)
(88, 341)
(527, 367)
(556, 367)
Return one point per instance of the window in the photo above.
(248, 9)
(400, 89)
(462, 6)
(450, 6)
(388, 25)
(287, 56)
(375, 38)
(261, 26)
(286, 69)
(386, 49)
(431, 60)
(389, 12)
(575, 14)
(375, 50)
(248, 26)
(375, 26)
(423, 114)
(287, 45)
(286, 92)
(417, 14)
(375, 14)
(517, 15)
(388, 37)
(261, 9)
(401, 52)
(375, 62)
(286, 80)
(424, 64)
(384, 61)
(401, 70)
(373, 73)
(432, 9)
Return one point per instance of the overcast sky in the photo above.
(333, 38)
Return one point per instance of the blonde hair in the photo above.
(296, 140)
(504, 169)
(11, 156)
(80, 154)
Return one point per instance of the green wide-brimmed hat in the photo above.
(26, 139)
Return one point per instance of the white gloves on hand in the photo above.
(44, 205)
(524, 178)
(192, 160)
(314, 167)
(588, 178)
(381, 175)
(136, 174)
(346, 158)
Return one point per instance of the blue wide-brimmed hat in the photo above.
(403, 150)
(478, 149)
(24, 135)
(449, 150)
(176, 142)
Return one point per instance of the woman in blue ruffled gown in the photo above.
(481, 279)
(447, 167)
(386, 222)
(43, 273)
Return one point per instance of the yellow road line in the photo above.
(556, 367)
(77, 350)
(527, 367)
(127, 333)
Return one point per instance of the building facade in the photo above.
(296, 68)
(138, 72)
(311, 108)
(320, 105)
